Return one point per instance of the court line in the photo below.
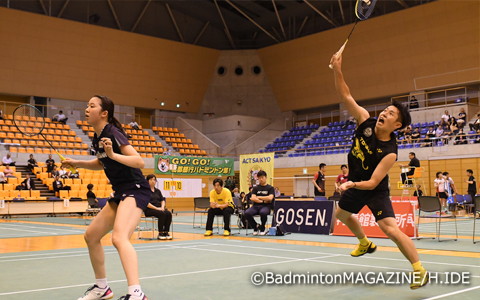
(453, 293)
(345, 255)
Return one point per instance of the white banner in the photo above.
(179, 187)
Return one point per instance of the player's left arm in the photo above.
(380, 172)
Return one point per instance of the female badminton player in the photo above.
(122, 213)
(373, 153)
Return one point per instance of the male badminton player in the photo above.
(373, 153)
(122, 213)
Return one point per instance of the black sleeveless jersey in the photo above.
(367, 152)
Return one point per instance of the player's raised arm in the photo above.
(358, 112)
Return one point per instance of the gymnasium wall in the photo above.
(424, 47)
(52, 57)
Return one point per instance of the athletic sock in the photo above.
(101, 282)
(417, 266)
(364, 241)
(135, 290)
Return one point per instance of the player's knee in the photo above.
(117, 240)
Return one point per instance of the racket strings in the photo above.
(28, 120)
(365, 8)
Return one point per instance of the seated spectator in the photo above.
(408, 134)
(476, 124)
(50, 162)
(445, 118)
(263, 196)
(134, 125)
(453, 125)
(277, 192)
(413, 103)
(60, 117)
(54, 173)
(3, 178)
(462, 118)
(156, 208)
(221, 203)
(8, 172)
(439, 133)
(91, 197)
(461, 138)
(31, 163)
(28, 183)
(429, 136)
(351, 121)
(58, 185)
(420, 192)
(1, 115)
(235, 192)
(7, 160)
(72, 174)
(416, 135)
(477, 137)
(63, 173)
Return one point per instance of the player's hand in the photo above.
(107, 146)
(336, 61)
(345, 186)
(69, 163)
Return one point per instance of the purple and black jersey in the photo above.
(121, 177)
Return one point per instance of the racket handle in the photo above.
(339, 52)
(62, 158)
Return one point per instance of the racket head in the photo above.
(24, 115)
(364, 8)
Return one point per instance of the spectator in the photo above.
(235, 192)
(7, 160)
(28, 183)
(73, 175)
(8, 172)
(413, 103)
(430, 135)
(450, 190)
(472, 184)
(416, 135)
(418, 192)
(156, 208)
(476, 124)
(134, 125)
(3, 178)
(445, 118)
(221, 203)
(54, 173)
(263, 196)
(31, 163)
(63, 173)
(439, 133)
(462, 118)
(342, 178)
(60, 117)
(319, 181)
(277, 192)
(91, 197)
(477, 137)
(408, 134)
(1, 115)
(50, 162)
(439, 183)
(246, 202)
(351, 121)
(461, 138)
(453, 126)
(230, 183)
(58, 185)
(412, 165)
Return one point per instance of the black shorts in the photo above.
(378, 202)
(442, 195)
(141, 193)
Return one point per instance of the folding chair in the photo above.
(248, 225)
(429, 204)
(476, 209)
(239, 212)
(200, 206)
(153, 222)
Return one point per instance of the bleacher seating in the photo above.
(289, 139)
(60, 135)
(178, 141)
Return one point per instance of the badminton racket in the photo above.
(25, 112)
(363, 10)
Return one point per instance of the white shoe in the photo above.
(96, 293)
(168, 236)
(255, 233)
(263, 232)
(130, 297)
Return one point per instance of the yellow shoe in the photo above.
(226, 233)
(419, 279)
(361, 250)
(208, 233)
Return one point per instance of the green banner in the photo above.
(185, 165)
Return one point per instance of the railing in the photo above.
(203, 141)
(442, 97)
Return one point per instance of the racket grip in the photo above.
(339, 52)
(72, 169)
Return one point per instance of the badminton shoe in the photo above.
(226, 233)
(208, 233)
(96, 293)
(419, 279)
(130, 297)
(361, 250)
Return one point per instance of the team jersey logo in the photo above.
(367, 132)
(358, 153)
